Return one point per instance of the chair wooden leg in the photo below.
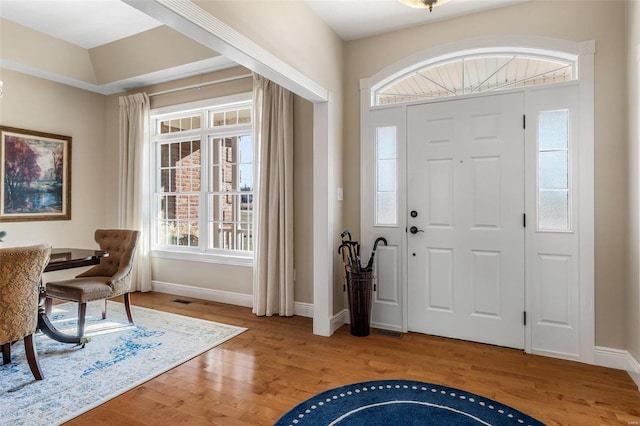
(127, 306)
(82, 311)
(32, 357)
(6, 353)
(48, 306)
(104, 308)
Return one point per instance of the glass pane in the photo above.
(187, 207)
(175, 154)
(195, 123)
(553, 170)
(246, 149)
(223, 208)
(386, 208)
(231, 117)
(386, 176)
(244, 238)
(187, 234)
(164, 155)
(553, 210)
(166, 233)
(185, 123)
(195, 153)
(218, 119)
(474, 74)
(215, 179)
(168, 207)
(222, 235)
(246, 177)
(386, 142)
(553, 130)
(244, 116)
(164, 181)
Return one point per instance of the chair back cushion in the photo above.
(20, 274)
(121, 246)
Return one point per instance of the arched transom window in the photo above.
(474, 73)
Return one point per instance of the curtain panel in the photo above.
(134, 183)
(273, 209)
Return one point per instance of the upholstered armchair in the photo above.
(111, 278)
(20, 274)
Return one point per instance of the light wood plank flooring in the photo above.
(256, 377)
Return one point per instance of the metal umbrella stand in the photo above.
(359, 283)
(360, 289)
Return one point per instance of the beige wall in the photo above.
(156, 49)
(293, 33)
(32, 49)
(36, 104)
(633, 289)
(603, 22)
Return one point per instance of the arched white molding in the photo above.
(189, 19)
(543, 47)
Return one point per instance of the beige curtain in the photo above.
(273, 138)
(134, 181)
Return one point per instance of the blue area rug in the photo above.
(402, 402)
(119, 357)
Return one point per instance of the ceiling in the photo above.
(86, 23)
(93, 23)
(354, 19)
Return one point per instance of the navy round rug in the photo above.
(402, 402)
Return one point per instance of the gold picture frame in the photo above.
(35, 175)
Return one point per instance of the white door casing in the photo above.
(466, 188)
(546, 340)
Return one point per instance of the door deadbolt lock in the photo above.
(414, 213)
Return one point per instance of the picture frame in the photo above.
(35, 175)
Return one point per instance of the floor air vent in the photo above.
(390, 333)
(184, 302)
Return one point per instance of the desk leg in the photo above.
(49, 330)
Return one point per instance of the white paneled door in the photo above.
(466, 236)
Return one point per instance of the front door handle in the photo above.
(415, 230)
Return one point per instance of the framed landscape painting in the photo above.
(35, 175)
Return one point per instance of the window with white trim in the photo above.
(554, 183)
(474, 73)
(386, 210)
(203, 180)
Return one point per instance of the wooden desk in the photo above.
(68, 258)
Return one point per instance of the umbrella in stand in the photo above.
(369, 266)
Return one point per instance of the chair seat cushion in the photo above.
(80, 290)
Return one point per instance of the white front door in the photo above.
(465, 199)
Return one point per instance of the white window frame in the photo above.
(461, 55)
(205, 134)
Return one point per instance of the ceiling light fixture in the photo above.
(423, 4)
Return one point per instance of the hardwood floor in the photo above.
(256, 377)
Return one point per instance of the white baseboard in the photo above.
(620, 360)
(339, 319)
(231, 298)
(303, 309)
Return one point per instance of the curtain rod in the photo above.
(199, 85)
